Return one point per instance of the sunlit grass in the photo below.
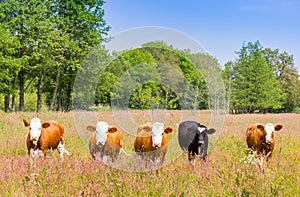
(223, 174)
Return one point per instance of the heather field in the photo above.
(223, 174)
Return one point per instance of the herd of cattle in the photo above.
(151, 141)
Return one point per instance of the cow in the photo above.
(106, 141)
(261, 139)
(43, 136)
(192, 137)
(151, 141)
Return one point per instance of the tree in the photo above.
(81, 27)
(227, 78)
(9, 67)
(286, 73)
(254, 85)
(53, 35)
(159, 75)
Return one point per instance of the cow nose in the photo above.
(200, 142)
(34, 138)
(269, 141)
(156, 145)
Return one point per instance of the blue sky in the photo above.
(220, 27)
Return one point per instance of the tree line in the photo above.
(44, 45)
(261, 80)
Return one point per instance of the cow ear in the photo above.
(112, 129)
(211, 131)
(147, 128)
(26, 122)
(168, 130)
(278, 127)
(261, 127)
(91, 128)
(45, 125)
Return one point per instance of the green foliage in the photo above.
(154, 75)
(105, 88)
(254, 86)
(145, 96)
(49, 39)
(287, 75)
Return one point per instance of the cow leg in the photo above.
(45, 151)
(104, 159)
(31, 155)
(260, 163)
(269, 156)
(61, 149)
(191, 155)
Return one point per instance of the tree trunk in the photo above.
(6, 103)
(21, 91)
(67, 104)
(13, 100)
(59, 104)
(54, 98)
(39, 93)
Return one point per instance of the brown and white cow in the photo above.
(261, 138)
(106, 141)
(44, 136)
(151, 141)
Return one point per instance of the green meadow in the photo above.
(223, 174)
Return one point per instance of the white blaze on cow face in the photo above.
(35, 129)
(101, 132)
(269, 128)
(157, 131)
(201, 129)
(201, 136)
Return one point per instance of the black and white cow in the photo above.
(192, 137)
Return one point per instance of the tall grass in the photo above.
(223, 174)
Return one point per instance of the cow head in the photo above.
(102, 129)
(201, 134)
(270, 129)
(35, 128)
(157, 133)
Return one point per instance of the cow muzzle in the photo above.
(269, 141)
(156, 145)
(34, 140)
(200, 142)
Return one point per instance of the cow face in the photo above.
(101, 132)
(35, 128)
(269, 129)
(201, 134)
(157, 132)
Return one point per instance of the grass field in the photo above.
(223, 174)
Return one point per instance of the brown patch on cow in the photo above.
(112, 129)
(91, 128)
(26, 122)
(168, 130)
(278, 127)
